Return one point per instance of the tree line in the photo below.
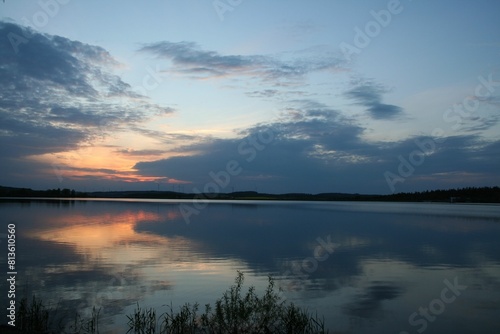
(459, 195)
(26, 192)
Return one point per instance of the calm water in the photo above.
(367, 267)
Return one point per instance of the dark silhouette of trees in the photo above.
(463, 195)
(26, 192)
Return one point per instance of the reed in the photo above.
(236, 311)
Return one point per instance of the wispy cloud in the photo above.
(140, 153)
(266, 93)
(281, 94)
(189, 59)
(369, 95)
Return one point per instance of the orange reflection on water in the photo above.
(105, 236)
(112, 238)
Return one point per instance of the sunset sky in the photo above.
(230, 95)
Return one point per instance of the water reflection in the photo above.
(367, 267)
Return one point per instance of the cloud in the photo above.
(314, 148)
(279, 94)
(140, 153)
(56, 94)
(178, 142)
(68, 65)
(266, 93)
(369, 95)
(295, 153)
(189, 59)
(476, 123)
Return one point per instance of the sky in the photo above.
(235, 95)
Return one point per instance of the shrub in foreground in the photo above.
(238, 312)
(235, 312)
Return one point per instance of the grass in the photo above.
(34, 317)
(235, 312)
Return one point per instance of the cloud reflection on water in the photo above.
(114, 254)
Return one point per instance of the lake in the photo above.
(366, 267)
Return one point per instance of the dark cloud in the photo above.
(188, 58)
(57, 94)
(369, 95)
(24, 136)
(30, 58)
(313, 148)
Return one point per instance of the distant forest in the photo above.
(462, 195)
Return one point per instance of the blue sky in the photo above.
(294, 96)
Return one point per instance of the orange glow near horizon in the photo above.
(104, 162)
